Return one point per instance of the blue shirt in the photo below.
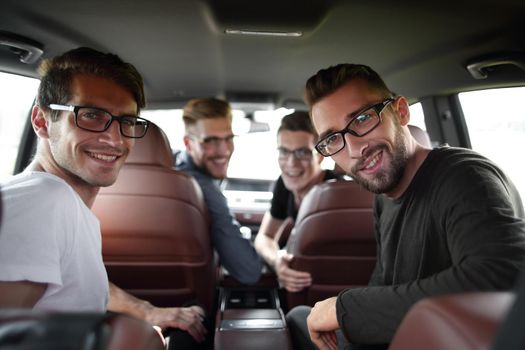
(236, 253)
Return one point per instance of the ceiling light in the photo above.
(262, 33)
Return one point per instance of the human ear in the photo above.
(40, 122)
(319, 157)
(403, 110)
(187, 143)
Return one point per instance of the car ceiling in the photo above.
(420, 47)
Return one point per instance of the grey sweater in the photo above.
(458, 227)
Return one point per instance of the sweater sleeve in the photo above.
(479, 216)
(236, 253)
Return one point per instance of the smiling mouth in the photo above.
(219, 161)
(293, 173)
(104, 157)
(372, 162)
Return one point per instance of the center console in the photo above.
(250, 318)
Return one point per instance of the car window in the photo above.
(17, 94)
(417, 117)
(255, 155)
(496, 126)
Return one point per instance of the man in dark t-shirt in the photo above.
(300, 171)
(447, 220)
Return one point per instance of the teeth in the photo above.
(103, 157)
(293, 174)
(373, 162)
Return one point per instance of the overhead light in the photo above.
(262, 33)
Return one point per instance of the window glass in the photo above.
(417, 117)
(255, 155)
(496, 126)
(17, 94)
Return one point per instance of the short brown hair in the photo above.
(56, 75)
(328, 80)
(297, 121)
(205, 108)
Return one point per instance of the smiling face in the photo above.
(85, 158)
(298, 174)
(377, 161)
(210, 143)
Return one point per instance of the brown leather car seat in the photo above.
(466, 321)
(155, 228)
(420, 135)
(30, 329)
(333, 239)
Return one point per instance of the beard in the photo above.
(385, 180)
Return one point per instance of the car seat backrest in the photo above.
(333, 239)
(155, 228)
(458, 321)
(420, 135)
(31, 329)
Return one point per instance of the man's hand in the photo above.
(322, 324)
(292, 280)
(188, 319)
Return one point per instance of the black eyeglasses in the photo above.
(98, 120)
(303, 153)
(361, 124)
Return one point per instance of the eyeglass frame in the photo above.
(75, 109)
(289, 152)
(378, 108)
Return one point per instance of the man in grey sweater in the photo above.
(447, 220)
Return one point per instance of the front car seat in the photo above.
(155, 229)
(30, 329)
(465, 321)
(333, 239)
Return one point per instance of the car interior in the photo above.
(460, 64)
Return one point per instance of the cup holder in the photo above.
(250, 299)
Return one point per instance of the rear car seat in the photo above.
(29, 329)
(466, 321)
(333, 239)
(155, 229)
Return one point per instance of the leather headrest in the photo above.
(153, 149)
(420, 135)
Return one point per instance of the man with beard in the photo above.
(209, 146)
(300, 171)
(447, 220)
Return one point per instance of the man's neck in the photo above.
(415, 161)
(86, 192)
(299, 194)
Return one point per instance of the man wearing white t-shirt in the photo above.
(86, 119)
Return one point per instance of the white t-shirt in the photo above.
(49, 235)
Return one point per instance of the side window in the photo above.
(496, 126)
(417, 117)
(17, 94)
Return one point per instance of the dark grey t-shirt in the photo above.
(456, 228)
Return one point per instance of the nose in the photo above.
(291, 159)
(355, 146)
(112, 135)
(224, 147)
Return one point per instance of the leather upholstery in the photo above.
(333, 239)
(420, 135)
(30, 329)
(461, 321)
(155, 228)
